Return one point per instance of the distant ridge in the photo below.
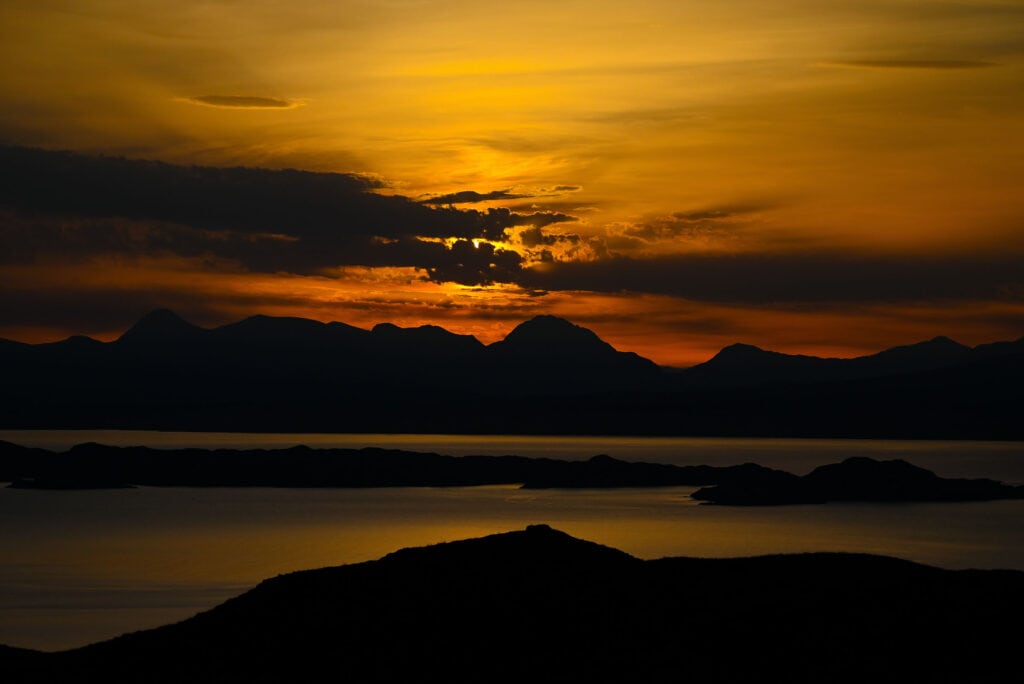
(741, 365)
(540, 605)
(548, 376)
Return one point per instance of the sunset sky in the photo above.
(813, 177)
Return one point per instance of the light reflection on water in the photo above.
(85, 565)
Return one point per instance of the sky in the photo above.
(822, 178)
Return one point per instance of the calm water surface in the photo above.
(87, 565)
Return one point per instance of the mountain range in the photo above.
(547, 376)
(539, 605)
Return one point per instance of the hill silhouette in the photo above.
(540, 605)
(858, 479)
(548, 376)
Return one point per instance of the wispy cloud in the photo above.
(472, 197)
(243, 102)
(940, 64)
(719, 212)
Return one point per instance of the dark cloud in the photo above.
(535, 237)
(467, 263)
(811, 277)
(541, 218)
(671, 228)
(696, 224)
(555, 205)
(65, 205)
(472, 197)
(52, 242)
(912, 64)
(242, 102)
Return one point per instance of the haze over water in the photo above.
(80, 566)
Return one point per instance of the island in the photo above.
(95, 466)
(858, 479)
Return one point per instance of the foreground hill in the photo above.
(548, 376)
(539, 605)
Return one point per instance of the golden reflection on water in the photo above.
(81, 566)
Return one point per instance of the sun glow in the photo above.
(646, 134)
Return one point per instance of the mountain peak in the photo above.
(553, 333)
(740, 350)
(739, 354)
(942, 339)
(938, 350)
(160, 325)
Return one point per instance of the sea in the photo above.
(78, 567)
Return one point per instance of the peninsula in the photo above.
(538, 605)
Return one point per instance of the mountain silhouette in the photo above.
(160, 328)
(425, 341)
(995, 350)
(540, 605)
(553, 336)
(935, 353)
(548, 376)
(744, 365)
(740, 365)
(551, 356)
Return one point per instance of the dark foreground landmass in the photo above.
(92, 466)
(541, 606)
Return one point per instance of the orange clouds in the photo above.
(817, 177)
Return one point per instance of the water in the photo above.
(81, 566)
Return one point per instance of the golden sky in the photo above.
(815, 177)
